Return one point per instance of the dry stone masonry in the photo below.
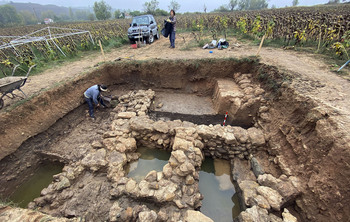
(173, 193)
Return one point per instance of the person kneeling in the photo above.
(93, 96)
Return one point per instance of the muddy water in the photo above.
(220, 201)
(150, 159)
(31, 189)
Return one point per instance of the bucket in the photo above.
(134, 46)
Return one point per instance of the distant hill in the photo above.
(58, 10)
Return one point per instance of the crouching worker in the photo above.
(92, 96)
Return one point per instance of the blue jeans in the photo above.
(90, 103)
(172, 38)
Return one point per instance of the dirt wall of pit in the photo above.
(309, 140)
(39, 113)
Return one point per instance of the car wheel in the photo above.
(132, 41)
(150, 38)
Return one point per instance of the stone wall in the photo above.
(240, 97)
(168, 195)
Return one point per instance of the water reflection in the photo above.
(220, 201)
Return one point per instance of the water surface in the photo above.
(150, 159)
(220, 201)
(31, 189)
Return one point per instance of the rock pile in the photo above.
(268, 195)
(137, 102)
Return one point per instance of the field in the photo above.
(325, 28)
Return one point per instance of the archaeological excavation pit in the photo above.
(161, 152)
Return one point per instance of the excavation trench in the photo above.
(161, 152)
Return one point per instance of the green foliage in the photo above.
(256, 25)
(242, 25)
(118, 14)
(174, 5)
(9, 16)
(91, 17)
(295, 2)
(252, 4)
(232, 4)
(341, 48)
(102, 10)
(222, 8)
(270, 27)
(135, 13)
(151, 6)
(83, 15)
(48, 14)
(28, 17)
(160, 12)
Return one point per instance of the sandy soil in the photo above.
(330, 88)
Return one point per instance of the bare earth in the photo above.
(312, 78)
(316, 79)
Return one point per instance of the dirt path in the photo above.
(313, 75)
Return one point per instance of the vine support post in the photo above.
(319, 40)
(261, 44)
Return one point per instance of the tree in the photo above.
(135, 13)
(205, 8)
(232, 4)
(151, 7)
(252, 4)
(118, 14)
(9, 16)
(91, 17)
(47, 14)
(102, 10)
(243, 5)
(258, 4)
(223, 8)
(82, 15)
(273, 6)
(295, 2)
(28, 17)
(174, 5)
(160, 12)
(71, 13)
(334, 1)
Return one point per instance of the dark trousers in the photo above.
(172, 38)
(90, 103)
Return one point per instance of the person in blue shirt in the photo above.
(92, 96)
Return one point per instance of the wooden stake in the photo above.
(261, 44)
(103, 53)
(319, 41)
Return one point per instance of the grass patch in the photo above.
(7, 203)
(195, 44)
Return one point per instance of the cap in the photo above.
(103, 88)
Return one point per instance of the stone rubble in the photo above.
(172, 194)
(270, 194)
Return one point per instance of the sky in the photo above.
(186, 5)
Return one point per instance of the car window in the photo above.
(141, 20)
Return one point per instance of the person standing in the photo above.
(172, 20)
(93, 96)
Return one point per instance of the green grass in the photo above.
(6, 202)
